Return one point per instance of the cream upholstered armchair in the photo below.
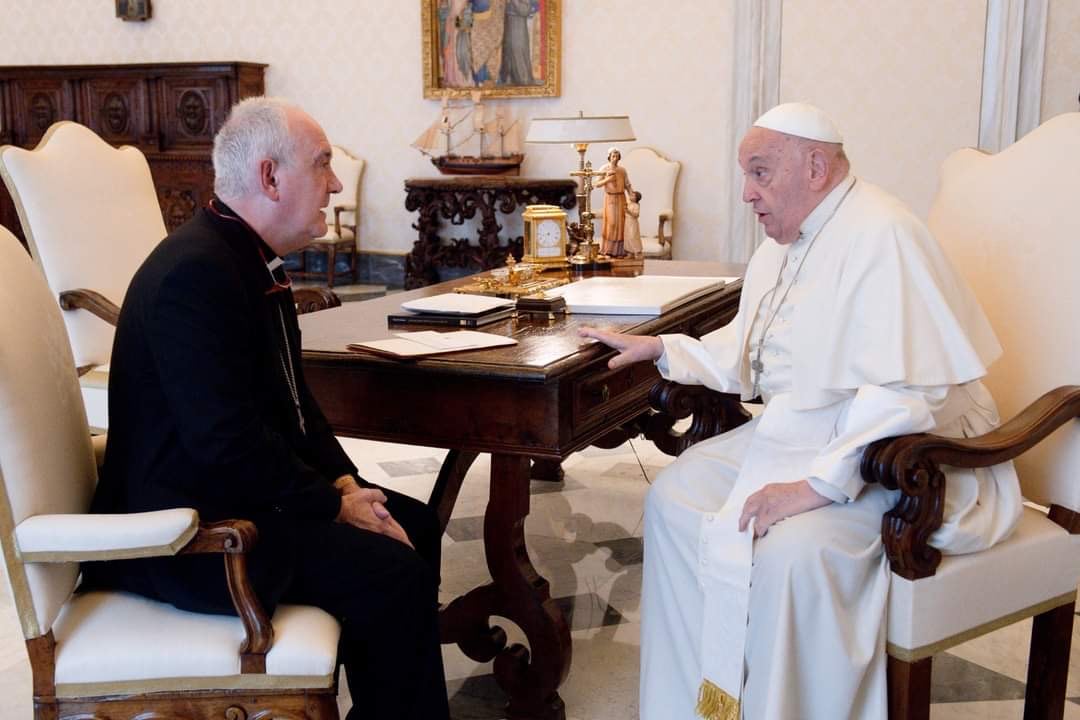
(342, 220)
(654, 176)
(110, 654)
(1009, 224)
(91, 216)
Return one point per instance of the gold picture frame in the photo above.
(466, 56)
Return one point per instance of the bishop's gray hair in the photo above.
(257, 129)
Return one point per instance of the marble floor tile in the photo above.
(957, 680)
(1006, 651)
(404, 468)
(993, 710)
(588, 611)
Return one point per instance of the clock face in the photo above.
(548, 239)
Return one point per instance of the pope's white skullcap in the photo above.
(801, 120)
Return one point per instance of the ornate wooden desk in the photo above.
(546, 397)
(458, 199)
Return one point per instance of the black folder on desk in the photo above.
(467, 320)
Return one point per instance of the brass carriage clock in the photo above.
(545, 236)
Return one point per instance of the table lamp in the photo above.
(579, 131)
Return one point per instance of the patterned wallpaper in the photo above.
(1061, 75)
(355, 65)
(902, 78)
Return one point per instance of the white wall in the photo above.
(1061, 79)
(355, 65)
(902, 79)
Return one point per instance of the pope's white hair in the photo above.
(257, 129)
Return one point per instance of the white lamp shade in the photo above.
(580, 129)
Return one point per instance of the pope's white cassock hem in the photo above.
(877, 337)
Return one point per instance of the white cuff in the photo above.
(826, 490)
(841, 476)
(81, 537)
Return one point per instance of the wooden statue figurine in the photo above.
(616, 183)
(632, 231)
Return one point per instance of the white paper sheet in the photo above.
(431, 342)
(641, 295)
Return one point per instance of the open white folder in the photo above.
(431, 342)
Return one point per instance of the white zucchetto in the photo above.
(801, 120)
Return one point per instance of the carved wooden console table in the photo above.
(170, 111)
(458, 199)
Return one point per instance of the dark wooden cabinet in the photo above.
(170, 111)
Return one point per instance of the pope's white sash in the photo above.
(785, 442)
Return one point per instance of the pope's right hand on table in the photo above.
(632, 348)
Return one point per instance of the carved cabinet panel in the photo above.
(192, 110)
(36, 104)
(170, 111)
(116, 109)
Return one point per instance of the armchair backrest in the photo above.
(1011, 225)
(349, 171)
(46, 456)
(91, 216)
(654, 176)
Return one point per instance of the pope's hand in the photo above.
(632, 348)
(777, 501)
(364, 508)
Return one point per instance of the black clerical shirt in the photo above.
(201, 412)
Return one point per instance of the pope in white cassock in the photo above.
(765, 580)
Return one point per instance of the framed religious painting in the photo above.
(503, 48)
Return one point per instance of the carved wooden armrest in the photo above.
(713, 413)
(912, 464)
(91, 301)
(665, 218)
(313, 299)
(235, 538)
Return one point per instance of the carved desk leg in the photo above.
(530, 676)
(448, 484)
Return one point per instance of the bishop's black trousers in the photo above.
(386, 597)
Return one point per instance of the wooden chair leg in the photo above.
(352, 263)
(1048, 664)
(909, 689)
(331, 261)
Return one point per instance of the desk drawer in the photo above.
(599, 394)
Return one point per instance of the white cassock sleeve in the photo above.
(874, 413)
(712, 361)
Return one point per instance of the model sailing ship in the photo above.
(482, 146)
